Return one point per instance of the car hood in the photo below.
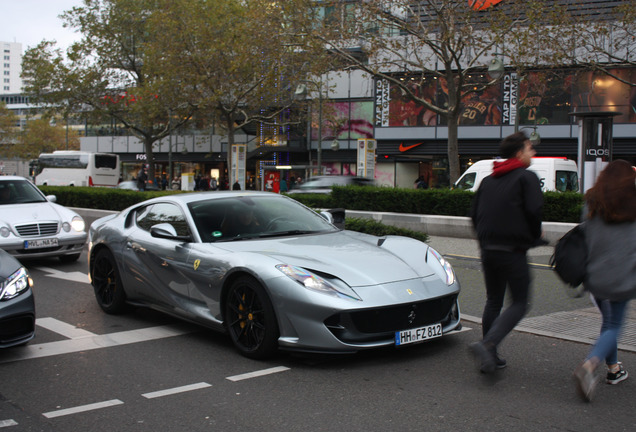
(35, 212)
(355, 258)
(8, 265)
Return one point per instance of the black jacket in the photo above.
(507, 211)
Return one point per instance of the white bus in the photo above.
(77, 168)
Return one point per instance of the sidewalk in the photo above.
(582, 325)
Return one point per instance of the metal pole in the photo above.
(319, 151)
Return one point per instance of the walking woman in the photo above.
(610, 235)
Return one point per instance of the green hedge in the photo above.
(559, 207)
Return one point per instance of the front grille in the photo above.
(37, 229)
(16, 328)
(376, 324)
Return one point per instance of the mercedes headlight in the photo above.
(442, 267)
(78, 224)
(316, 283)
(15, 284)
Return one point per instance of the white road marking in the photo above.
(93, 342)
(7, 423)
(70, 276)
(176, 390)
(257, 373)
(63, 328)
(82, 408)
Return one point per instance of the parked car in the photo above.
(33, 226)
(555, 174)
(271, 273)
(17, 308)
(132, 185)
(323, 184)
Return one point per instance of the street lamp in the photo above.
(301, 90)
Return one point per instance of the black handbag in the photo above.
(570, 256)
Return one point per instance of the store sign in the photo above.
(510, 98)
(382, 98)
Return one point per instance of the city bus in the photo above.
(77, 168)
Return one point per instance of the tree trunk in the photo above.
(150, 158)
(453, 150)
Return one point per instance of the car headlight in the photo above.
(316, 283)
(4, 231)
(440, 265)
(15, 284)
(78, 224)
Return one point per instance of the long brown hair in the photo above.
(613, 197)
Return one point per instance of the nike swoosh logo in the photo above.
(404, 148)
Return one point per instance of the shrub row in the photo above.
(559, 207)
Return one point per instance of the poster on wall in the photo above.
(237, 171)
(366, 157)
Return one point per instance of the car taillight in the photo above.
(90, 181)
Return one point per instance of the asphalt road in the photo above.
(87, 371)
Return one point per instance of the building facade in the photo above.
(11, 68)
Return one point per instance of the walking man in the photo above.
(506, 214)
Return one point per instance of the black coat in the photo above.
(507, 211)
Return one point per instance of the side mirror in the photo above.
(51, 198)
(167, 231)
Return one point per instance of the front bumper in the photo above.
(17, 320)
(68, 245)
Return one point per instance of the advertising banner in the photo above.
(237, 168)
(366, 157)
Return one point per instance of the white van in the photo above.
(555, 174)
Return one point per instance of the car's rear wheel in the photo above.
(109, 290)
(69, 258)
(250, 319)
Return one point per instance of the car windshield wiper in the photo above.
(287, 233)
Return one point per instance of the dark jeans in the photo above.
(504, 269)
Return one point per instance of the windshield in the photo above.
(254, 217)
(19, 192)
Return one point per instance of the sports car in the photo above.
(271, 273)
(33, 226)
(17, 308)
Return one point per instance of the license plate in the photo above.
(420, 334)
(40, 243)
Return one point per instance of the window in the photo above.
(7, 65)
(7, 57)
(466, 182)
(163, 213)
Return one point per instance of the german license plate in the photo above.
(420, 334)
(40, 243)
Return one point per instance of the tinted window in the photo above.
(105, 161)
(163, 213)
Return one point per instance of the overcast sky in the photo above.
(30, 21)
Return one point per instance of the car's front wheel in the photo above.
(109, 290)
(250, 319)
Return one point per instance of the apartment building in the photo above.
(10, 68)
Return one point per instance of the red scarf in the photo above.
(504, 167)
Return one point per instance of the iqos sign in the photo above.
(600, 152)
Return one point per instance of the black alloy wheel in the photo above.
(109, 290)
(250, 319)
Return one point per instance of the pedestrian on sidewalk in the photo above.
(506, 213)
(610, 236)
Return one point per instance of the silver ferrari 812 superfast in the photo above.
(271, 273)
